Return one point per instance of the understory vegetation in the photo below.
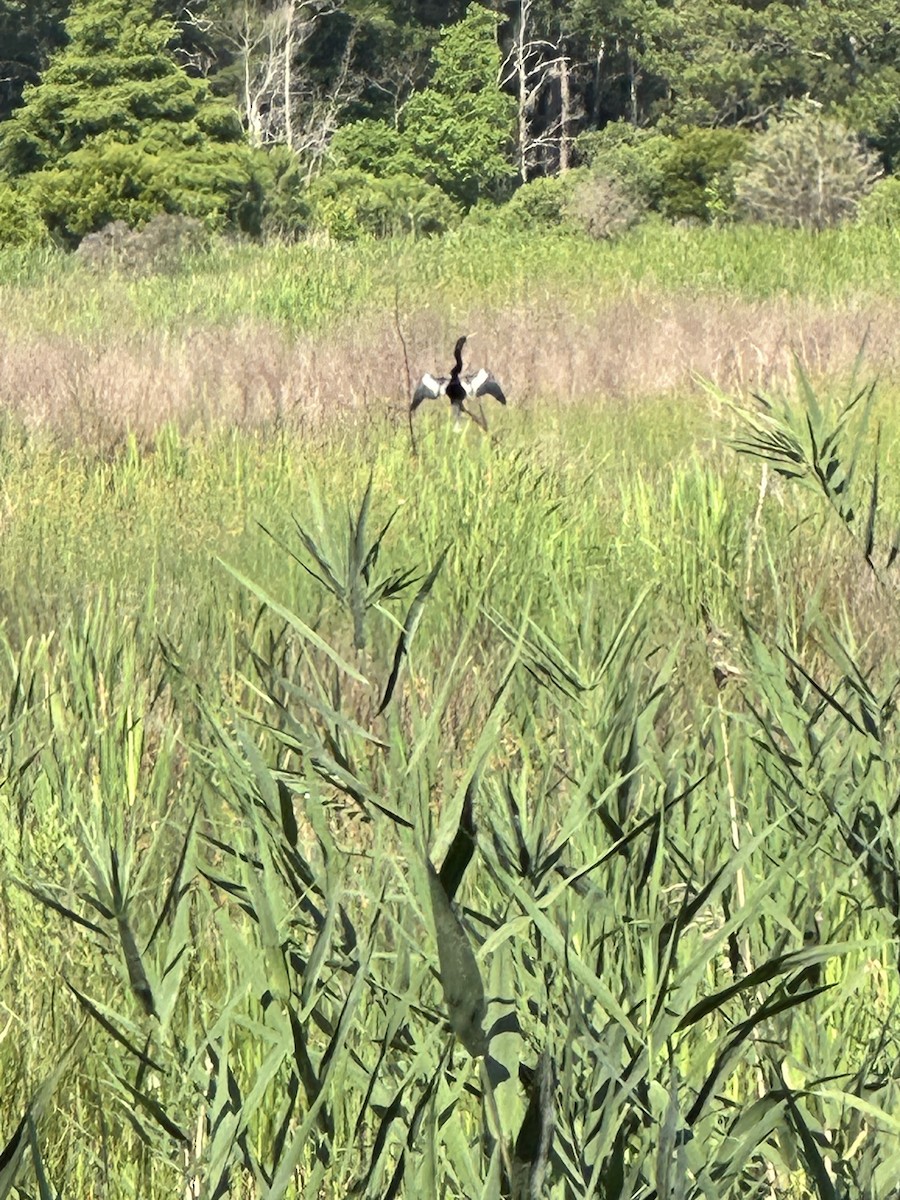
(515, 817)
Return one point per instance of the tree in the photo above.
(460, 129)
(548, 65)
(744, 61)
(277, 97)
(617, 83)
(394, 43)
(456, 134)
(375, 147)
(808, 171)
(116, 129)
(30, 30)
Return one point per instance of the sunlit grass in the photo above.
(643, 710)
(306, 286)
(132, 644)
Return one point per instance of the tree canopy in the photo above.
(111, 109)
(116, 129)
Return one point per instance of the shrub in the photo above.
(372, 146)
(540, 204)
(634, 157)
(697, 172)
(807, 170)
(604, 207)
(881, 207)
(285, 209)
(350, 204)
(112, 181)
(161, 246)
(106, 247)
(20, 223)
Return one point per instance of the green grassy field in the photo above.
(513, 818)
(309, 287)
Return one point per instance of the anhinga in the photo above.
(457, 387)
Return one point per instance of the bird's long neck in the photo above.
(457, 354)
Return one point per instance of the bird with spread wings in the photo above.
(458, 387)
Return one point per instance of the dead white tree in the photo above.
(565, 113)
(541, 70)
(278, 102)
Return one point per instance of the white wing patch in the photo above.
(428, 388)
(483, 383)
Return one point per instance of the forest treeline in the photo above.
(375, 117)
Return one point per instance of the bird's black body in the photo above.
(456, 386)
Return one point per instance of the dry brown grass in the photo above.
(256, 375)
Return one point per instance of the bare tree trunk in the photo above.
(522, 77)
(565, 113)
(534, 63)
(252, 132)
(632, 89)
(598, 70)
(287, 63)
(279, 104)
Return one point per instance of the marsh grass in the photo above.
(312, 285)
(673, 930)
(517, 818)
(299, 336)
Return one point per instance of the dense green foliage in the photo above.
(739, 58)
(689, 62)
(29, 31)
(20, 220)
(116, 130)
(882, 205)
(111, 80)
(455, 134)
(460, 127)
(351, 204)
(231, 112)
(697, 173)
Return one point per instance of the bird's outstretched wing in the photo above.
(484, 384)
(428, 388)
